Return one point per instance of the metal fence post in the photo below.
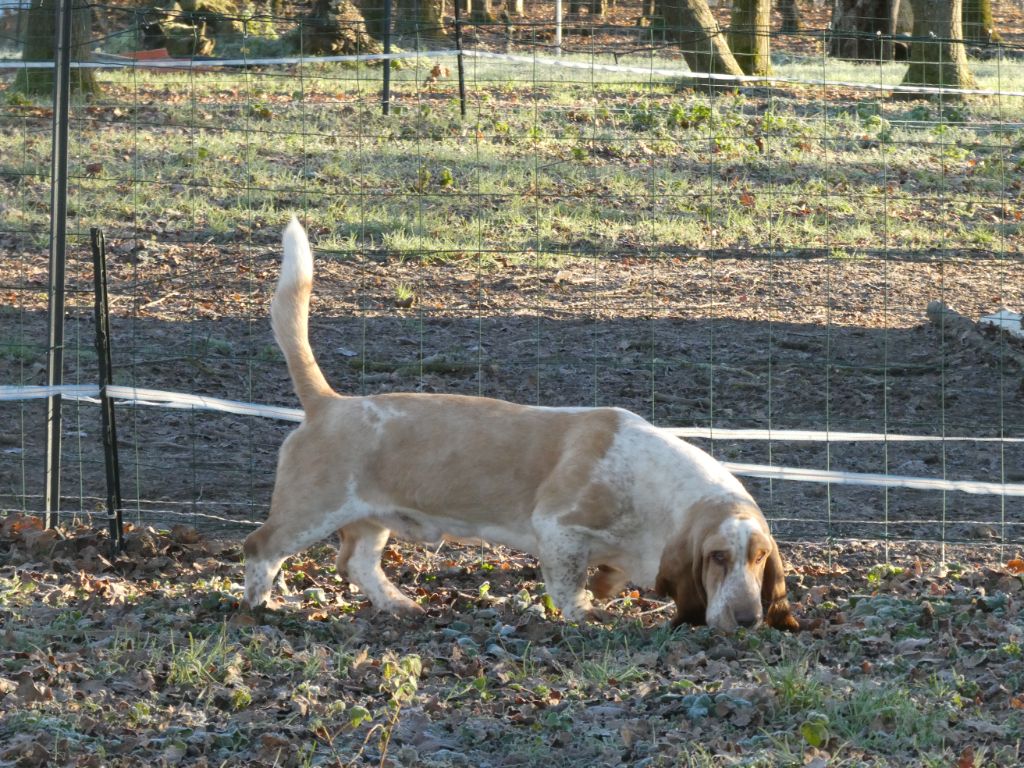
(58, 252)
(106, 378)
(386, 105)
(460, 59)
(558, 27)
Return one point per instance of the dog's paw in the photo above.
(405, 610)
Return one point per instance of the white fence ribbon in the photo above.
(874, 479)
(111, 61)
(161, 398)
(819, 436)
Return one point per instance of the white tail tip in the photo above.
(297, 264)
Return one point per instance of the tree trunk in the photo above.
(336, 27)
(481, 11)
(749, 35)
(691, 24)
(374, 16)
(855, 28)
(420, 19)
(942, 63)
(790, 13)
(978, 24)
(39, 44)
(515, 7)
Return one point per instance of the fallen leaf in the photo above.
(815, 732)
(31, 692)
(1016, 565)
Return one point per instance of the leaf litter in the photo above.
(145, 658)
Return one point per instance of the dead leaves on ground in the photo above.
(145, 655)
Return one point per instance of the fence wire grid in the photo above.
(749, 263)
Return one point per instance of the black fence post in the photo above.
(386, 105)
(58, 253)
(461, 58)
(106, 377)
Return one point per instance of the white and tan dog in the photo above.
(577, 487)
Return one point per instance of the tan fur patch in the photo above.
(463, 457)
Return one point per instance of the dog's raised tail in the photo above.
(289, 317)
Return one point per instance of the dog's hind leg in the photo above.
(286, 532)
(368, 539)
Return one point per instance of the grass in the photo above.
(542, 166)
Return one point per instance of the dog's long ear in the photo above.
(679, 577)
(773, 594)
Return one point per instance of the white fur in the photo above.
(740, 586)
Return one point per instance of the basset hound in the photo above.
(576, 487)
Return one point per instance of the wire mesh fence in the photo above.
(747, 258)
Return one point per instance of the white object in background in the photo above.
(1011, 322)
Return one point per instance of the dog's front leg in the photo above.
(563, 563)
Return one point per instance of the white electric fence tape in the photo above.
(160, 398)
(112, 62)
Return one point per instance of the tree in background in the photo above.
(978, 24)
(941, 62)
(856, 25)
(595, 7)
(38, 46)
(692, 25)
(420, 19)
(374, 16)
(359, 26)
(336, 27)
(790, 13)
(480, 10)
(749, 37)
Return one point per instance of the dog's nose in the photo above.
(747, 619)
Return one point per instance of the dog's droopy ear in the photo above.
(680, 578)
(773, 594)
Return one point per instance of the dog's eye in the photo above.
(720, 558)
(760, 556)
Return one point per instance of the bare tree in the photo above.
(790, 13)
(857, 26)
(374, 15)
(336, 27)
(749, 35)
(39, 43)
(978, 24)
(937, 55)
(480, 10)
(691, 23)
